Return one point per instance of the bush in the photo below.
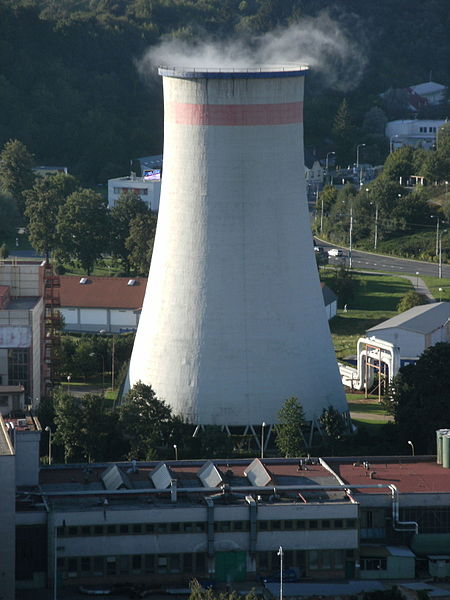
(409, 300)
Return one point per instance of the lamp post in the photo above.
(68, 383)
(280, 554)
(321, 214)
(175, 447)
(262, 439)
(326, 160)
(440, 294)
(357, 154)
(440, 254)
(103, 371)
(49, 431)
(438, 220)
(391, 143)
(412, 447)
(350, 237)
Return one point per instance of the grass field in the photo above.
(376, 299)
(366, 410)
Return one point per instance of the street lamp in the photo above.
(391, 143)
(175, 447)
(103, 371)
(440, 254)
(438, 220)
(375, 236)
(280, 554)
(49, 431)
(262, 439)
(357, 153)
(412, 447)
(417, 279)
(440, 294)
(68, 383)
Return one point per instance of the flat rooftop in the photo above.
(410, 475)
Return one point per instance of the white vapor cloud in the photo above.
(318, 42)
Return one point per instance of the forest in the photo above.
(72, 92)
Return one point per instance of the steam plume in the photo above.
(318, 42)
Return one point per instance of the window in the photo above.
(73, 531)
(4, 399)
(351, 523)
(136, 562)
(98, 565)
(161, 527)
(175, 527)
(373, 564)
(72, 567)
(18, 367)
(162, 564)
(338, 523)
(174, 563)
(313, 559)
(144, 192)
(300, 524)
(149, 528)
(187, 563)
(137, 528)
(85, 564)
(123, 528)
(98, 529)
(111, 565)
(313, 524)
(275, 525)
(85, 530)
(263, 525)
(288, 525)
(149, 563)
(111, 529)
(325, 524)
(123, 564)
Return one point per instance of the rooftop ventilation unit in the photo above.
(210, 475)
(83, 280)
(257, 474)
(132, 282)
(161, 476)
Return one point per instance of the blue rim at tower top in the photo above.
(245, 73)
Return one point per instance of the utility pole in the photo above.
(350, 236)
(375, 241)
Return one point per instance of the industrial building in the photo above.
(147, 187)
(233, 321)
(161, 524)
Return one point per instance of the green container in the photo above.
(446, 451)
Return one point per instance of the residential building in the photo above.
(91, 304)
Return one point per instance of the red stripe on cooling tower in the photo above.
(234, 114)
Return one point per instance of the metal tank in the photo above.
(233, 321)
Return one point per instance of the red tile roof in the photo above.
(102, 292)
(408, 476)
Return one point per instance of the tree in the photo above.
(343, 285)
(409, 300)
(333, 426)
(82, 228)
(146, 422)
(419, 398)
(289, 435)
(140, 242)
(399, 163)
(200, 593)
(343, 133)
(67, 422)
(42, 204)
(16, 171)
(128, 207)
(9, 217)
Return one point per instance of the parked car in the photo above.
(318, 249)
(335, 252)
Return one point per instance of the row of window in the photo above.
(139, 191)
(430, 129)
(196, 563)
(200, 527)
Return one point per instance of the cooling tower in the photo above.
(233, 321)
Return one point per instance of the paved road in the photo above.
(378, 262)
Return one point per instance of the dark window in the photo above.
(161, 527)
(136, 562)
(149, 528)
(313, 524)
(338, 523)
(288, 525)
(98, 529)
(136, 528)
(85, 564)
(325, 524)
(175, 527)
(263, 525)
(123, 528)
(73, 530)
(300, 524)
(18, 367)
(110, 529)
(85, 530)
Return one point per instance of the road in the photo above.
(378, 262)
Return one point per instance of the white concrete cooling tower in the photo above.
(233, 321)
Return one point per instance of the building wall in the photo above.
(37, 381)
(411, 344)
(27, 457)
(417, 132)
(93, 320)
(23, 278)
(7, 521)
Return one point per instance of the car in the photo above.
(335, 252)
(318, 249)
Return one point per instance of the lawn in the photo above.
(376, 299)
(366, 410)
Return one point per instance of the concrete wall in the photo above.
(233, 320)
(92, 320)
(23, 278)
(27, 457)
(149, 191)
(410, 343)
(7, 520)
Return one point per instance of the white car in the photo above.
(335, 252)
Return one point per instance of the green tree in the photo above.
(146, 422)
(200, 593)
(140, 242)
(333, 426)
(9, 217)
(343, 134)
(83, 228)
(16, 171)
(128, 207)
(436, 167)
(289, 436)
(419, 398)
(67, 422)
(409, 300)
(343, 285)
(399, 164)
(42, 204)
